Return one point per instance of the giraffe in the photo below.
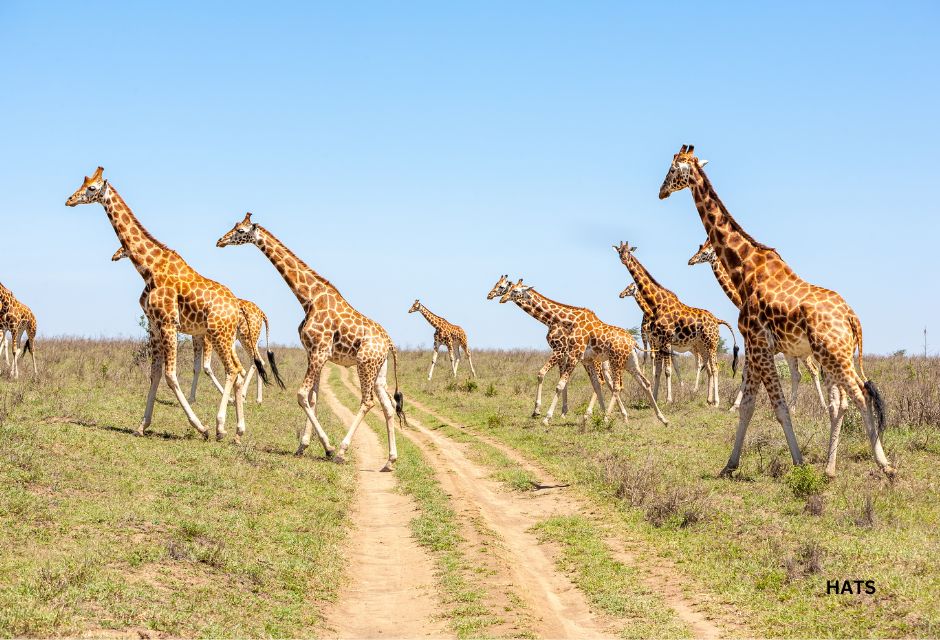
(447, 334)
(706, 254)
(248, 334)
(580, 336)
(178, 299)
(502, 286)
(332, 331)
(676, 326)
(782, 312)
(631, 292)
(17, 318)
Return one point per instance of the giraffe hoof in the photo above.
(329, 453)
(727, 472)
(300, 451)
(139, 432)
(205, 436)
(219, 436)
(536, 414)
(545, 421)
(387, 468)
(339, 458)
(831, 474)
(890, 472)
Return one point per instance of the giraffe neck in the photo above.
(650, 295)
(727, 285)
(142, 248)
(735, 248)
(436, 321)
(306, 283)
(541, 308)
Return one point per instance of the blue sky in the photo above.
(421, 149)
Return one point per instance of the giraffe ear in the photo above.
(702, 163)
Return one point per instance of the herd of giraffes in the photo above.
(779, 313)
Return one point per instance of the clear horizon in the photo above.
(422, 153)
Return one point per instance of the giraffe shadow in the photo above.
(285, 453)
(161, 435)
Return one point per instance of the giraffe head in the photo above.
(629, 291)
(415, 307)
(90, 191)
(119, 254)
(625, 251)
(243, 232)
(502, 286)
(680, 171)
(517, 293)
(705, 253)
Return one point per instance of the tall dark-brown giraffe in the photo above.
(587, 339)
(448, 334)
(676, 326)
(554, 322)
(178, 300)
(248, 334)
(706, 254)
(17, 319)
(631, 292)
(782, 312)
(332, 331)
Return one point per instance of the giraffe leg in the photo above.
(749, 388)
(838, 403)
(5, 347)
(598, 391)
(307, 399)
(246, 383)
(552, 360)
(198, 351)
(567, 368)
(794, 367)
(368, 374)
(381, 391)
(698, 374)
(633, 365)
(737, 399)
(814, 371)
(712, 370)
(760, 364)
(473, 372)
(667, 369)
(605, 367)
(454, 352)
(32, 353)
(156, 365)
(657, 373)
(225, 345)
(207, 366)
(433, 359)
(168, 337)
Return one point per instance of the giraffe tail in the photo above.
(399, 396)
(875, 402)
(734, 357)
(259, 364)
(267, 347)
(857, 332)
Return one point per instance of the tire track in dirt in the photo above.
(558, 608)
(662, 578)
(391, 591)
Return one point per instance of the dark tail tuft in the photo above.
(27, 345)
(261, 372)
(400, 409)
(277, 374)
(877, 404)
(734, 362)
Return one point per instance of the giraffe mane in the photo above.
(734, 223)
(560, 304)
(303, 264)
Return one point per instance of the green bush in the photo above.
(805, 481)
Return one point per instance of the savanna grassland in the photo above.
(105, 531)
(168, 535)
(765, 542)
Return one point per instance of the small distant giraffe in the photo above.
(631, 292)
(584, 338)
(332, 331)
(676, 326)
(248, 334)
(782, 312)
(17, 318)
(178, 300)
(594, 369)
(447, 334)
(706, 254)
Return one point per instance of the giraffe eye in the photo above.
(92, 187)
